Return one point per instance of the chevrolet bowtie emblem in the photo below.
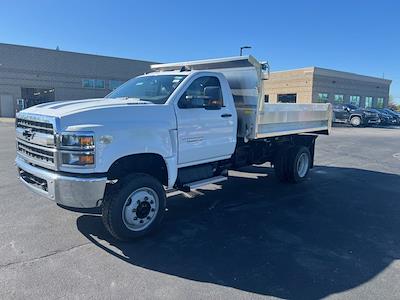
(28, 134)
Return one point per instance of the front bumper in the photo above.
(73, 191)
(372, 120)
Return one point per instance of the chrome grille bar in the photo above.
(35, 152)
(35, 126)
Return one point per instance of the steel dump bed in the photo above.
(257, 119)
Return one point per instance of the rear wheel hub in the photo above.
(143, 209)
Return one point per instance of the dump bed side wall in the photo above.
(289, 118)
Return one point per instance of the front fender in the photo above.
(127, 130)
(162, 142)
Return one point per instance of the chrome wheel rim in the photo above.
(140, 209)
(356, 121)
(302, 165)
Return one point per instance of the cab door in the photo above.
(206, 120)
(341, 114)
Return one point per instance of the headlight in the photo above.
(77, 159)
(77, 140)
(77, 149)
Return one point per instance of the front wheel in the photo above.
(135, 207)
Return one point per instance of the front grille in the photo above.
(35, 126)
(36, 153)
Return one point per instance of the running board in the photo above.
(196, 184)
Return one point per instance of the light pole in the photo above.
(244, 47)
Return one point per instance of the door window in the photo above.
(204, 92)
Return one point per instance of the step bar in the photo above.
(196, 184)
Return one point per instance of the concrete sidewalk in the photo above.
(7, 120)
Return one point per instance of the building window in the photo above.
(34, 96)
(99, 84)
(93, 83)
(113, 84)
(322, 97)
(368, 102)
(287, 98)
(355, 100)
(88, 83)
(266, 98)
(339, 99)
(379, 102)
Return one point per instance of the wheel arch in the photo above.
(356, 115)
(149, 163)
(299, 140)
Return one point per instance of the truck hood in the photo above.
(109, 114)
(64, 108)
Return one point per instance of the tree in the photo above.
(392, 104)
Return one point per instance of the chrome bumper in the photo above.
(374, 121)
(72, 191)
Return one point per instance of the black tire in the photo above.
(280, 166)
(355, 121)
(115, 200)
(295, 175)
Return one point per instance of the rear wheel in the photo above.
(299, 162)
(293, 165)
(280, 166)
(135, 207)
(355, 121)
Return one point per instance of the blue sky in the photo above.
(355, 36)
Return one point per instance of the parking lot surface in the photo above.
(337, 235)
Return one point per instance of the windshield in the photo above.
(155, 89)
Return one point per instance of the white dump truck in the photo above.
(180, 127)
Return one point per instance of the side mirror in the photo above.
(200, 101)
(213, 104)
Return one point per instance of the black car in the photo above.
(386, 119)
(356, 116)
(395, 115)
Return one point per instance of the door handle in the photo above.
(226, 115)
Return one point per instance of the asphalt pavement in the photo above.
(337, 235)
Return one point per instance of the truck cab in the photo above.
(180, 127)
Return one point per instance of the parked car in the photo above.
(394, 114)
(356, 116)
(386, 118)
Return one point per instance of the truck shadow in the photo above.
(337, 230)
